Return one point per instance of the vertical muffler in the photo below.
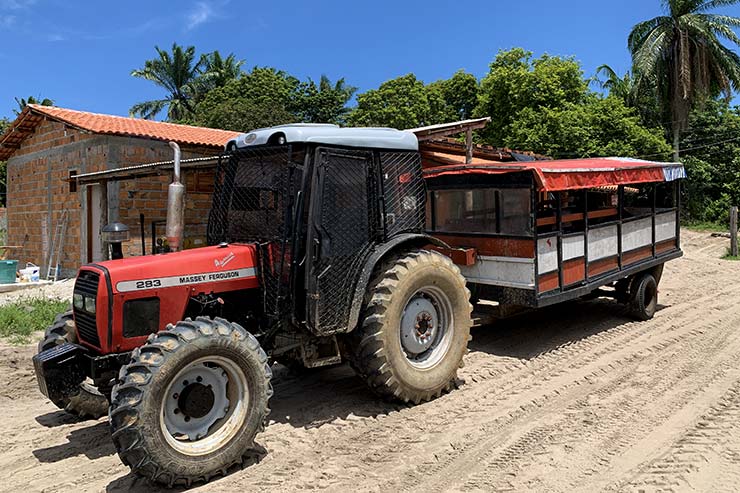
(175, 206)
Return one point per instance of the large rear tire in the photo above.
(190, 402)
(415, 328)
(88, 403)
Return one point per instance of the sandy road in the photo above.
(572, 398)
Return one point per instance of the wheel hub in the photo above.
(419, 325)
(196, 400)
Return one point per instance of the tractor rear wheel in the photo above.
(88, 403)
(415, 328)
(190, 402)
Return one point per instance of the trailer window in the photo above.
(638, 200)
(482, 210)
(465, 211)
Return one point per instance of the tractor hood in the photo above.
(200, 270)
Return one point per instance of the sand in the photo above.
(576, 397)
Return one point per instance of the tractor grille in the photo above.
(87, 329)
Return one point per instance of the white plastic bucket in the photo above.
(30, 273)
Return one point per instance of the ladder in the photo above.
(57, 243)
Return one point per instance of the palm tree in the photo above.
(22, 103)
(325, 102)
(217, 70)
(178, 73)
(621, 87)
(681, 56)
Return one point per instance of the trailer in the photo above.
(531, 234)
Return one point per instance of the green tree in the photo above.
(323, 102)
(261, 98)
(179, 74)
(515, 81)
(596, 127)
(681, 56)
(459, 93)
(403, 102)
(712, 159)
(218, 71)
(23, 102)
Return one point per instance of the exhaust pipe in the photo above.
(175, 206)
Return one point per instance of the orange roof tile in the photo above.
(112, 125)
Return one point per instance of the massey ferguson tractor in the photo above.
(317, 255)
(330, 244)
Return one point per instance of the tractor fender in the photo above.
(398, 242)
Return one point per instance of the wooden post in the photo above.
(733, 231)
(468, 146)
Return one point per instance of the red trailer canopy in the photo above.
(564, 174)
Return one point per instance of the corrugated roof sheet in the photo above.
(33, 114)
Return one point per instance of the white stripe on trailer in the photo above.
(186, 280)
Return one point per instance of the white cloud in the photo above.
(202, 12)
(15, 4)
(6, 21)
(55, 37)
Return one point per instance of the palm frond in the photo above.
(148, 109)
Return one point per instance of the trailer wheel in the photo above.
(644, 293)
(190, 402)
(88, 403)
(415, 328)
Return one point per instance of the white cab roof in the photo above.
(382, 138)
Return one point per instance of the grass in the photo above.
(705, 226)
(19, 320)
(727, 256)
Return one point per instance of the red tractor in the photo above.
(318, 254)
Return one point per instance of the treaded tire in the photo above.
(136, 411)
(644, 297)
(88, 403)
(376, 351)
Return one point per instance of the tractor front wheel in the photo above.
(415, 328)
(190, 402)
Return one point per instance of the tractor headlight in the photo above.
(90, 305)
(78, 301)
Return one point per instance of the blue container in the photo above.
(7, 271)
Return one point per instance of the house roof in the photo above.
(26, 122)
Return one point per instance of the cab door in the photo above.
(340, 228)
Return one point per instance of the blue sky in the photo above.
(81, 53)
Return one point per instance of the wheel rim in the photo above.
(427, 327)
(204, 406)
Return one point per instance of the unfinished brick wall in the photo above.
(148, 196)
(38, 192)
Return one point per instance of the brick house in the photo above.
(45, 146)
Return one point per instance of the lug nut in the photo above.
(187, 418)
(176, 396)
(199, 379)
(185, 382)
(176, 411)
